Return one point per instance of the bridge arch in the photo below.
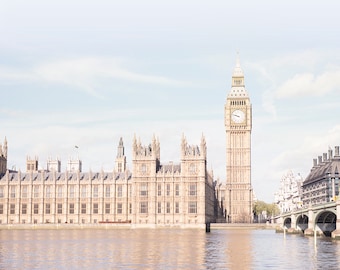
(287, 223)
(302, 222)
(325, 221)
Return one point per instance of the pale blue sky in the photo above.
(89, 72)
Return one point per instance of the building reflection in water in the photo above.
(137, 249)
(239, 250)
(164, 249)
(229, 249)
(183, 249)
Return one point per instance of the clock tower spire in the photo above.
(238, 125)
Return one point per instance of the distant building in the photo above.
(32, 164)
(152, 195)
(288, 198)
(54, 165)
(322, 183)
(74, 165)
(3, 158)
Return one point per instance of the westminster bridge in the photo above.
(321, 219)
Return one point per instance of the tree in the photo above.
(260, 207)
(273, 209)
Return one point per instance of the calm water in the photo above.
(164, 249)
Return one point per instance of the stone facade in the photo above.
(322, 183)
(288, 197)
(32, 164)
(238, 193)
(152, 195)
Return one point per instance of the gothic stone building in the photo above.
(3, 157)
(152, 195)
(322, 183)
(288, 197)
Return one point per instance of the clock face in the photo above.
(237, 116)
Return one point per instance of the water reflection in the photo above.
(163, 249)
(239, 250)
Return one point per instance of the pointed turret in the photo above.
(203, 146)
(5, 148)
(120, 151)
(146, 158)
(238, 72)
(183, 145)
(3, 158)
(155, 147)
(120, 164)
(134, 146)
(237, 81)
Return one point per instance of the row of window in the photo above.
(59, 192)
(35, 221)
(60, 208)
(143, 209)
(144, 190)
(238, 102)
(192, 207)
(315, 201)
(32, 166)
(315, 186)
(49, 191)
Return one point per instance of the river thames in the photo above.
(164, 249)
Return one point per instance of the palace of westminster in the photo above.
(153, 194)
(156, 194)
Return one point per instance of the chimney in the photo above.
(336, 151)
(320, 159)
(315, 162)
(330, 154)
(324, 157)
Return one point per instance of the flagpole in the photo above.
(77, 150)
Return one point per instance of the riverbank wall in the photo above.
(239, 226)
(113, 226)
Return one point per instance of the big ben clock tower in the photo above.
(238, 124)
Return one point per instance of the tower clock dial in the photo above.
(237, 116)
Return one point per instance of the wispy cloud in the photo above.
(309, 73)
(85, 74)
(309, 84)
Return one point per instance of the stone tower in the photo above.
(145, 163)
(146, 159)
(54, 165)
(3, 157)
(238, 125)
(32, 164)
(194, 158)
(74, 165)
(120, 163)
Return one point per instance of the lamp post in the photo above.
(334, 184)
(333, 188)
